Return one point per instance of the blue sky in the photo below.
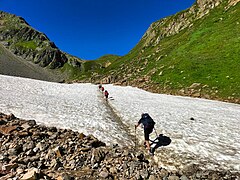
(93, 28)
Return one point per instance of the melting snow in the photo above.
(211, 139)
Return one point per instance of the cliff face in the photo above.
(30, 44)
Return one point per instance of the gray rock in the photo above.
(97, 155)
(64, 177)
(144, 174)
(3, 157)
(103, 174)
(173, 178)
(152, 177)
(163, 173)
(183, 177)
(28, 146)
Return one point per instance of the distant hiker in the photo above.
(102, 89)
(106, 94)
(148, 125)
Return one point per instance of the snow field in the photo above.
(211, 139)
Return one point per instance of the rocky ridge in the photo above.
(31, 151)
(30, 44)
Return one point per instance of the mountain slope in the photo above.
(21, 41)
(16, 66)
(194, 52)
(26, 46)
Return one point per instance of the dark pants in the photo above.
(147, 131)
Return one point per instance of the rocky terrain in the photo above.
(31, 151)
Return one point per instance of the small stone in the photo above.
(173, 178)
(163, 173)
(64, 177)
(81, 136)
(152, 177)
(113, 170)
(95, 166)
(8, 167)
(144, 174)
(183, 177)
(104, 174)
(19, 171)
(58, 151)
(31, 174)
(25, 126)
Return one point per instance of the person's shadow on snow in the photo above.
(161, 140)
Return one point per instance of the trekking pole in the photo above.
(135, 138)
(155, 131)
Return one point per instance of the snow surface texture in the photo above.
(211, 139)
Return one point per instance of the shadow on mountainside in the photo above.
(159, 141)
(11, 65)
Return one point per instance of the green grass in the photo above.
(27, 44)
(208, 53)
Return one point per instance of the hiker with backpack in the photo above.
(106, 94)
(102, 89)
(148, 125)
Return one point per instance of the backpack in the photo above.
(147, 121)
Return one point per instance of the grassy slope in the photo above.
(89, 67)
(207, 53)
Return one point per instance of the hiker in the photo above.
(106, 94)
(102, 89)
(99, 86)
(148, 125)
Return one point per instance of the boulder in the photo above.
(4, 129)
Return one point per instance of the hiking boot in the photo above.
(145, 144)
(151, 151)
